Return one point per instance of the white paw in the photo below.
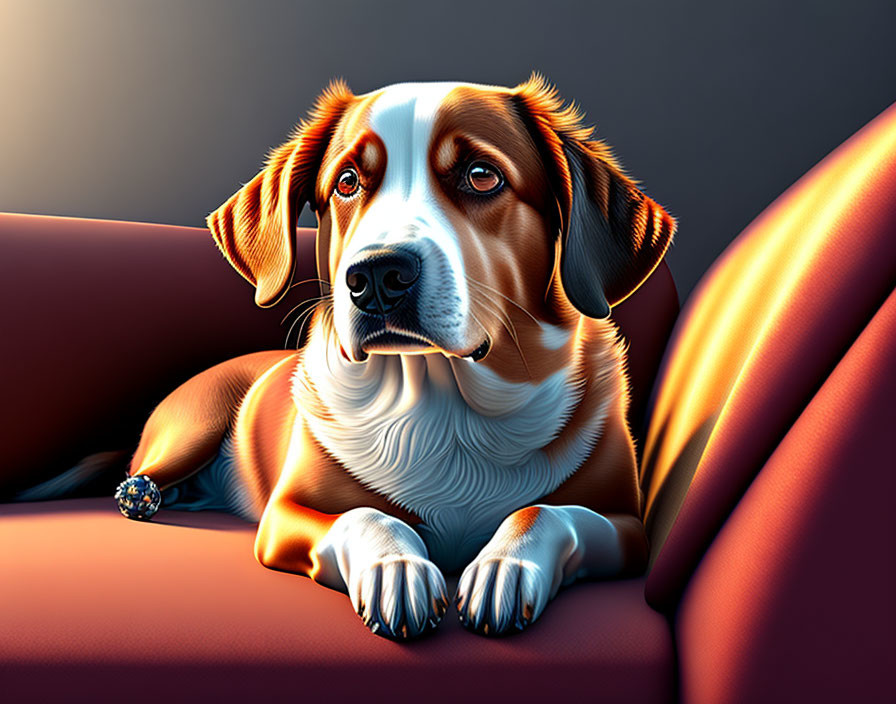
(499, 594)
(399, 596)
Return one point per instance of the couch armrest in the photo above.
(781, 367)
(794, 600)
(758, 337)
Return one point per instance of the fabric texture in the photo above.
(757, 339)
(101, 320)
(90, 602)
(794, 599)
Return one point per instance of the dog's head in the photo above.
(453, 218)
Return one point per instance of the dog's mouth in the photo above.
(395, 342)
(388, 341)
(479, 353)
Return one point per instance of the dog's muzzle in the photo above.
(404, 299)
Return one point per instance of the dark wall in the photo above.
(158, 110)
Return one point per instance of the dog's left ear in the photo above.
(613, 236)
(256, 227)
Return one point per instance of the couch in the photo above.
(764, 414)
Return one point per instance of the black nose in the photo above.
(380, 281)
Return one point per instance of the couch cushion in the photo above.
(645, 320)
(94, 604)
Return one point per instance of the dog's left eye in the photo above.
(484, 178)
(347, 183)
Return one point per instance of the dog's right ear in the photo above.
(255, 228)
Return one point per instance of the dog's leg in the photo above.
(535, 551)
(385, 567)
(185, 430)
(589, 527)
(378, 559)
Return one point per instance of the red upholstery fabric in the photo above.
(758, 338)
(796, 598)
(100, 321)
(645, 321)
(178, 609)
(106, 318)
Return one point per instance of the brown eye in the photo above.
(347, 183)
(484, 178)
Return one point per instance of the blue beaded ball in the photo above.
(138, 497)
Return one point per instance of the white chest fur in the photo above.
(444, 438)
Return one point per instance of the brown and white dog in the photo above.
(461, 398)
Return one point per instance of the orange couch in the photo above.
(765, 423)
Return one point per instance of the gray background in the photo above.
(158, 110)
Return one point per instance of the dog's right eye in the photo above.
(347, 183)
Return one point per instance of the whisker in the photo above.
(479, 323)
(303, 317)
(500, 316)
(313, 304)
(507, 298)
(310, 281)
(306, 301)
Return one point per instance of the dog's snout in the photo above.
(379, 282)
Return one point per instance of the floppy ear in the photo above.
(255, 228)
(613, 236)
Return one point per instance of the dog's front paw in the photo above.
(501, 594)
(400, 596)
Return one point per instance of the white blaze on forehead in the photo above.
(403, 116)
(405, 205)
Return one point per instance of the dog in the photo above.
(460, 401)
